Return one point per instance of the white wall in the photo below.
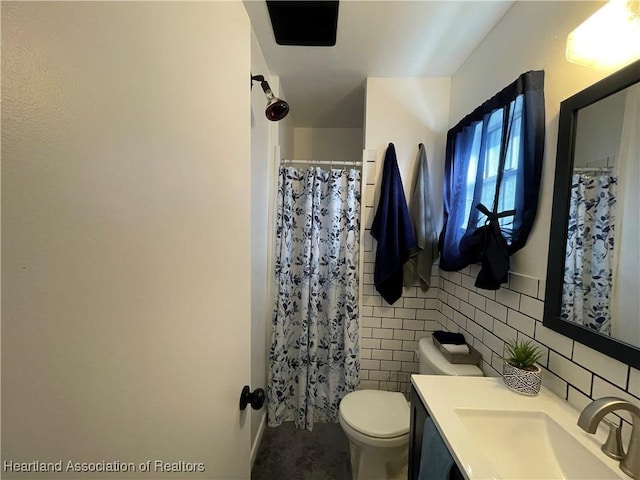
(261, 188)
(284, 134)
(598, 131)
(530, 36)
(405, 112)
(326, 144)
(265, 137)
(125, 234)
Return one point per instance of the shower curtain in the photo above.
(313, 359)
(589, 256)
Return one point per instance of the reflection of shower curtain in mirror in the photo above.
(625, 303)
(314, 358)
(589, 256)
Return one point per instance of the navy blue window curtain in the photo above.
(492, 179)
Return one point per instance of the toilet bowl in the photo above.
(377, 422)
(377, 426)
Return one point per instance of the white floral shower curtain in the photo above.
(313, 359)
(588, 267)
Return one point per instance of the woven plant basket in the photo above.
(526, 382)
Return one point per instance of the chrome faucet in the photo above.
(593, 414)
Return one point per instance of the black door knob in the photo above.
(255, 398)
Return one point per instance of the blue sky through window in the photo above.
(486, 183)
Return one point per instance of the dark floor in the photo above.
(289, 454)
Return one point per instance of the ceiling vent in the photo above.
(304, 23)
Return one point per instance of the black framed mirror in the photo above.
(592, 292)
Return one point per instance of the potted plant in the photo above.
(520, 372)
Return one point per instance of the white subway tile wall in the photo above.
(516, 312)
(390, 333)
(634, 383)
(573, 371)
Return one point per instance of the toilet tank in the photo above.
(432, 362)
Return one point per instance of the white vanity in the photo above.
(493, 432)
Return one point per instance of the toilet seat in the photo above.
(376, 414)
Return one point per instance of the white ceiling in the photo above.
(392, 38)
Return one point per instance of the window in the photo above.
(491, 166)
(492, 171)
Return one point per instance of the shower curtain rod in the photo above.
(338, 163)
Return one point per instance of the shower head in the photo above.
(276, 108)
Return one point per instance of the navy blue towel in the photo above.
(448, 338)
(392, 229)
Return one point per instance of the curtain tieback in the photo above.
(493, 216)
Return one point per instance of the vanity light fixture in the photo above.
(276, 108)
(609, 38)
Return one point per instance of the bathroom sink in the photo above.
(530, 444)
(495, 433)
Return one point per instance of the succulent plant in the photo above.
(522, 354)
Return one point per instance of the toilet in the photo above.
(377, 422)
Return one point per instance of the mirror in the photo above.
(592, 290)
